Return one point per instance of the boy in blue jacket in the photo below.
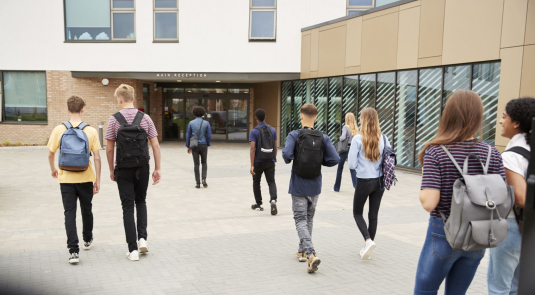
(305, 191)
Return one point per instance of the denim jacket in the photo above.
(193, 128)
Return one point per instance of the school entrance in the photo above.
(227, 110)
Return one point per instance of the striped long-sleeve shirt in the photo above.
(440, 173)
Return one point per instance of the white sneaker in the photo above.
(143, 248)
(134, 255)
(87, 245)
(74, 258)
(366, 252)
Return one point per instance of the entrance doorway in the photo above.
(227, 113)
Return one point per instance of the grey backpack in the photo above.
(480, 205)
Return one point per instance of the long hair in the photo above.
(371, 133)
(461, 120)
(351, 124)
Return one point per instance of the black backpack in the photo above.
(519, 212)
(265, 146)
(308, 153)
(132, 142)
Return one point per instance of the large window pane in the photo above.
(360, 2)
(351, 86)
(406, 112)
(263, 24)
(286, 110)
(383, 2)
(165, 4)
(237, 119)
(455, 77)
(367, 93)
(123, 26)
(386, 100)
(25, 96)
(309, 91)
(321, 103)
(334, 129)
(166, 25)
(87, 20)
(123, 3)
(298, 93)
(429, 100)
(263, 3)
(486, 83)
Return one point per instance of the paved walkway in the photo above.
(204, 241)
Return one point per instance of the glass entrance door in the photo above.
(173, 124)
(190, 103)
(237, 119)
(217, 116)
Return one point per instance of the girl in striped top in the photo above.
(458, 130)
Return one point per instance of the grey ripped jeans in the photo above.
(304, 209)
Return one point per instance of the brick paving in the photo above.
(204, 241)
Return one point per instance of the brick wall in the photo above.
(101, 104)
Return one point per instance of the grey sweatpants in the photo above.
(304, 209)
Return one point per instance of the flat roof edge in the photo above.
(372, 10)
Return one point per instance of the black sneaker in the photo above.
(198, 185)
(204, 183)
(273, 207)
(257, 207)
(87, 245)
(74, 258)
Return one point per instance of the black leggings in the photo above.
(373, 188)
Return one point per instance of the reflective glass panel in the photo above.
(87, 20)
(360, 2)
(238, 90)
(25, 96)
(455, 77)
(165, 25)
(123, 3)
(321, 104)
(174, 115)
(383, 2)
(429, 100)
(486, 83)
(367, 93)
(351, 86)
(286, 110)
(170, 90)
(386, 91)
(216, 115)
(206, 90)
(263, 3)
(298, 96)
(263, 24)
(165, 4)
(405, 114)
(237, 119)
(123, 26)
(309, 95)
(350, 12)
(334, 127)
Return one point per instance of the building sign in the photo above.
(181, 75)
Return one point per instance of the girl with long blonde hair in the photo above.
(365, 156)
(349, 130)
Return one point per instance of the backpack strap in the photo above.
(120, 118)
(521, 151)
(452, 159)
(484, 167)
(138, 118)
(67, 124)
(82, 125)
(200, 129)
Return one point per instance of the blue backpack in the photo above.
(74, 149)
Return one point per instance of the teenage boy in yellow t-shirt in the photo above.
(76, 185)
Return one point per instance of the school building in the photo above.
(404, 58)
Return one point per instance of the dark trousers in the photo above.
(269, 169)
(339, 172)
(373, 188)
(132, 184)
(70, 193)
(202, 151)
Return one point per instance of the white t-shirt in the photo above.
(515, 162)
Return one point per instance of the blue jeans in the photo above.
(343, 157)
(502, 275)
(438, 261)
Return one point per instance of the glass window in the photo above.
(237, 119)
(146, 98)
(455, 77)
(429, 106)
(406, 113)
(123, 3)
(367, 93)
(123, 25)
(238, 90)
(298, 92)
(286, 110)
(165, 4)
(350, 12)
(334, 124)
(25, 96)
(486, 83)
(351, 86)
(360, 2)
(206, 90)
(171, 90)
(87, 20)
(386, 98)
(321, 104)
(309, 91)
(383, 2)
(263, 3)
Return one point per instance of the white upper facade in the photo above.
(213, 36)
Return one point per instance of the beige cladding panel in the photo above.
(527, 86)
(381, 13)
(332, 52)
(305, 56)
(429, 61)
(510, 77)
(379, 43)
(514, 22)
(431, 28)
(314, 49)
(409, 28)
(530, 24)
(353, 42)
(472, 30)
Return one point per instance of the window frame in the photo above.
(358, 7)
(3, 101)
(156, 10)
(263, 8)
(112, 39)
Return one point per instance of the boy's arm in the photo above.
(110, 149)
(188, 135)
(156, 175)
(288, 151)
(98, 168)
(208, 134)
(330, 157)
(53, 169)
